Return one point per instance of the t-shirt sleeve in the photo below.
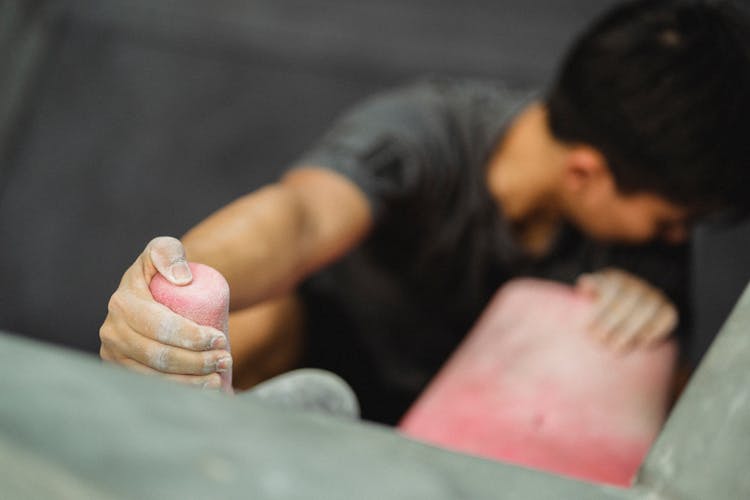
(395, 143)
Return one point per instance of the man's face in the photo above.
(633, 219)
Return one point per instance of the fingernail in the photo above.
(224, 364)
(181, 272)
(218, 341)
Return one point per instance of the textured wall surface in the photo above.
(72, 427)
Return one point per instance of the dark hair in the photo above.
(662, 90)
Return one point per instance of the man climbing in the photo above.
(374, 254)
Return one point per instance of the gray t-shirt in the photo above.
(388, 315)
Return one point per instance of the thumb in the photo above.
(167, 255)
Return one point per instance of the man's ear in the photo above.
(585, 168)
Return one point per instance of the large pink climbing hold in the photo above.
(530, 386)
(205, 300)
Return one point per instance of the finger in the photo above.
(662, 327)
(163, 252)
(157, 322)
(654, 323)
(168, 359)
(612, 319)
(210, 381)
(636, 325)
(119, 342)
(167, 255)
(609, 288)
(164, 255)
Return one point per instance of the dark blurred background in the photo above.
(121, 120)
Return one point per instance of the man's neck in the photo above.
(521, 176)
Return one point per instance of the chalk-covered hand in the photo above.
(628, 312)
(146, 336)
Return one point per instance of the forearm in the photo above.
(254, 242)
(266, 242)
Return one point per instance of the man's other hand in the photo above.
(147, 337)
(628, 312)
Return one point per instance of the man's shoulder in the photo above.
(473, 90)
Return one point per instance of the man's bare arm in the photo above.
(266, 242)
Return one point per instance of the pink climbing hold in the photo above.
(529, 386)
(205, 300)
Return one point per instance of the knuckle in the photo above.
(104, 332)
(112, 345)
(211, 338)
(107, 335)
(210, 361)
(167, 329)
(114, 305)
(199, 340)
(194, 337)
(161, 359)
(174, 330)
